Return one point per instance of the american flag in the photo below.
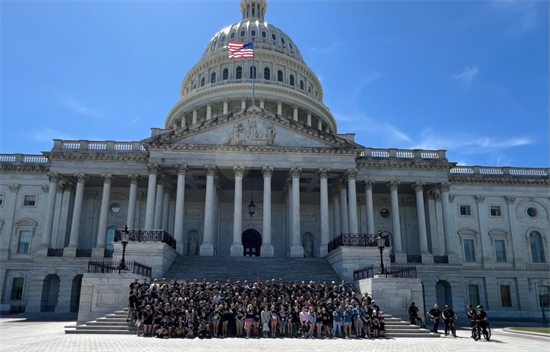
(240, 50)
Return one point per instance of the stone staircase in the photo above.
(110, 324)
(395, 327)
(251, 268)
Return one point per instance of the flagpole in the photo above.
(253, 75)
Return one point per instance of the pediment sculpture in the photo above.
(250, 133)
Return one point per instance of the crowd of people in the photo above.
(269, 309)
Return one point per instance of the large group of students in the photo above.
(260, 309)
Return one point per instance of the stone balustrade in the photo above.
(499, 171)
(85, 145)
(23, 159)
(403, 153)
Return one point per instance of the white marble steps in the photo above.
(110, 324)
(396, 327)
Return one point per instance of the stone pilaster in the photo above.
(336, 210)
(159, 202)
(450, 243)
(344, 215)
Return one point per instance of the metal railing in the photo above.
(355, 240)
(138, 235)
(55, 252)
(441, 259)
(113, 266)
(414, 258)
(394, 270)
(83, 253)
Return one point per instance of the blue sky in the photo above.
(471, 77)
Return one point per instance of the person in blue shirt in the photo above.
(337, 323)
(348, 316)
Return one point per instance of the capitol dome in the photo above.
(284, 84)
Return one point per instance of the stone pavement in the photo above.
(17, 334)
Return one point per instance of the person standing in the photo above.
(435, 314)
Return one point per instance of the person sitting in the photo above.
(483, 318)
(448, 316)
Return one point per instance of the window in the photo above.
(290, 45)
(243, 33)
(110, 237)
(273, 36)
(500, 251)
(544, 300)
(29, 200)
(537, 248)
(253, 72)
(280, 76)
(203, 82)
(469, 251)
(264, 34)
(473, 295)
(283, 40)
(213, 78)
(17, 288)
(301, 85)
(232, 36)
(239, 73)
(292, 80)
(114, 207)
(252, 33)
(505, 296)
(465, 210)
(222, 39)
(24, 242)
(385, 213)
(225, 74)
(1, 199)
(532, 212)
(267, 73)
(495, 210)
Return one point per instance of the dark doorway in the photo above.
(252, 243)
(444, 293)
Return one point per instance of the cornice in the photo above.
(404, 163)
(506, 180)
(105, 156)
(255, 149)
(24, 168)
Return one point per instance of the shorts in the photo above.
(248, 320)
(347, 323)
(274, 320)
(282, 324)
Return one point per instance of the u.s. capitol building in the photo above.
(477, 234)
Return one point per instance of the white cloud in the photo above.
(467, 75)
(77, 106)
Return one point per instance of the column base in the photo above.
(179, 248)
(69, 252)
(401, 258)
(323, 250)
(42, 251)
(427, 258)
(452, 257)
(206, 250)
(297, 251)
(267, 250)
(98, 252)
(237, 250)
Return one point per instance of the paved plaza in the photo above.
(19, 334)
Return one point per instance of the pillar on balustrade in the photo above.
(450, 243)
(323, 180)
(207, 246)
(179, 216)
(243, 103)
(418, 188)
(208, 111)
(295, 113)
(400, 257)
(351, 176)
(48, 220)
(336, 211)
(267, 249)
(237, 245)
(159, 202)
(99, 249)
(262, 103)
(225, 106)
(130, 219)
(297, 249)
(70, 250)
(344, 216)
(279, 107)
(166, 206)
(195, 117)
(308, 120)
(153, 170)
(369, 204)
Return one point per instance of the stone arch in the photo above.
(444, 294)
(50, 293)
(252, 242)
(76, 287)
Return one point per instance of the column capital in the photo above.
(323, 173)
(81, 178)
(153, 169)
(510, 199)
(161, 179)
(267, 171)
(53, 177)
(342, 184)
(14, 187)
(296, 172)
(45, 188)
(479, 198)
(451, 197)
(210, 170)
(418, 186)
(368, 184)
(431, 195)
(134, 179)
(351, 174)
(63, 185)
(107, 178)
(167, 188)
(239, 171)
(393, 185)
(445, 187)
(182, 169)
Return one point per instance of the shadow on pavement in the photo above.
(40, 317)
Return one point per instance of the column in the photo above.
(297, 249)
(237, 246)
(290, 214)
(308, 121)
(195, 118)
(351, 175)
(320, 125)
(432, 224)
(486, 245)
(279, 107)
(153, 170)
(225, 106)
(344, 217)
(183, 122)
(449, 240)
(418, 188)
(166, 206)
(180, 202)
(336, 211)
(70, 250)
(159, 202)
(99, 250)
(400, 257)
(267, 249)
(518, 253)
(323, 180)
(243, 103)
(208, 111)
(370, 206)
(295, 113)
(48, 221)
(207, 246)
(132, 201)
(262, 103)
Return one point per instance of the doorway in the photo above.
(444, 293)
(252, 243)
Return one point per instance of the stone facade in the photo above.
(476, 234)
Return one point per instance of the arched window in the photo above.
(537, 247)
(273, 36)
(243, 33)
(292, 80)
(110, 237)
(301, 85)
(280, 76)
(267, 73)
(239, 73)
(213, 78)
(253, 72)
(225, 74)
(252, 33)
(264, 34)
(203, 82)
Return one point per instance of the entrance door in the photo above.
(252, 243)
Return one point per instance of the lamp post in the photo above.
(124, 237)
(381, 243)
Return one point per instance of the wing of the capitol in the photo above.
(230, 187)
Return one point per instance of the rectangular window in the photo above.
(469, 251)
(465, 210)
(505, 296)
(29, 200)
(24, 242)
(495, 210)
(1, 199)
(500, 251)
(17, 288)
(544, 299)
(473, 294)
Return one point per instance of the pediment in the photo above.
(252, 128)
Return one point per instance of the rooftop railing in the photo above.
(403, 153)
(499, 171)
(85, 145)
(23, 159)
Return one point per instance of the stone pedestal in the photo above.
(237, 250)
(345, 260)
(401, 258)
(267, 250)
(42, 251)
(69, 252)
(297, 252)
(427, 258)
(98, 252)
(4, 254)
(159, 256)
(206, 250)
(453, 258)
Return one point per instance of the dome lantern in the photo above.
(253, 9)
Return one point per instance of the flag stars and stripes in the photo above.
(240, 50)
